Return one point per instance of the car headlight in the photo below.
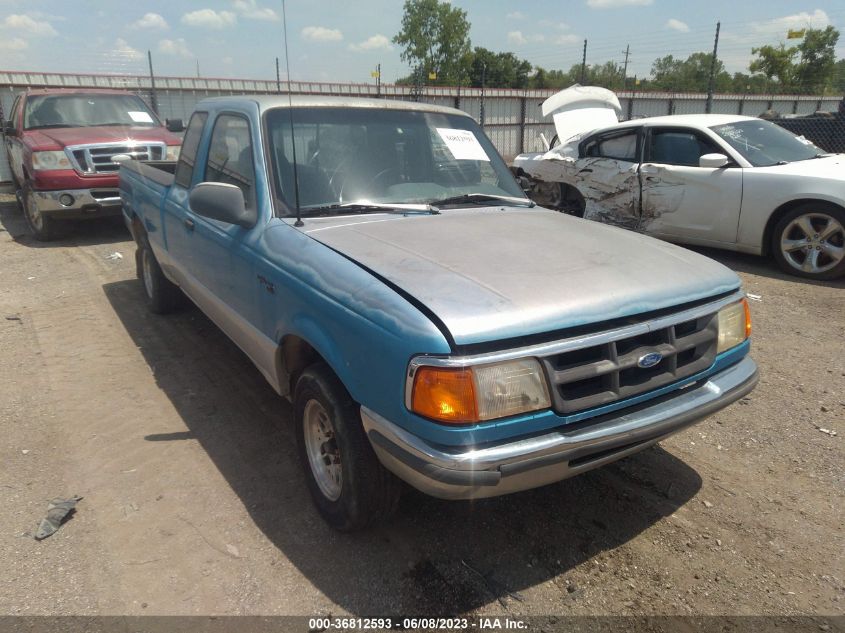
(464, 395)
(172, 154)
(734, 325)
(44, 161)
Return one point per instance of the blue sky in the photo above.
(335, 40)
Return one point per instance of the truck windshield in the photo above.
(86, 110)
(764, 144)
(346, 156)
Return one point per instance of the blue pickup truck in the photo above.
(380, 266)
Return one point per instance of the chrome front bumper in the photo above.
(498, 469)
(77, 203)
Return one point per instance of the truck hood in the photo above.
(580, 109)
(62, 137)
(499, 273)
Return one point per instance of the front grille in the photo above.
(605, 373)
(97, 159)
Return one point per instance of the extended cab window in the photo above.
(617, 146)
(230, 156)
(188, 155)
(678, 147)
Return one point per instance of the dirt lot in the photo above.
(194, 502)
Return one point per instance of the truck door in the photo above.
(14, 147)
(681, 200)
(220, 269)
(606, 175)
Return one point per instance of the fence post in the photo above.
(795, 106)
(153, 99)
(630, 105)
(523, 111)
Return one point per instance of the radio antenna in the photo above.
(299, 221)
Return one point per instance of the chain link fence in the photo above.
(511, 118)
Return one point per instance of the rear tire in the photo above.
(809, 241)
(42, 227)
(162, 295)
(348, 484)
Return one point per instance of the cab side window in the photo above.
(618, 146)
(679, 147)
(230, 156)
(188, 154)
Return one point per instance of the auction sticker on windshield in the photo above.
(463, 144)
(141, 117)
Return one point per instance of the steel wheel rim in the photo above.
(34, 214)
(813, 243)
(147, 269)
(322, 450)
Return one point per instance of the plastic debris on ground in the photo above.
(754, 297)
(115, 255)
(57, 511)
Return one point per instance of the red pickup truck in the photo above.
(62, 143)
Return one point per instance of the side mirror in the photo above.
(9, 128)
(713, 161)
(174, 125)
(223, 202)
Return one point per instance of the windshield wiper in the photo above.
(483, 197)
(50, 125)
(339, 208)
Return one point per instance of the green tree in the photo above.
(838, 77)
(776, 64)
(814, 73)
(689, 75)
(499, 70)
(435, 37)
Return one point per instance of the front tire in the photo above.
(42, 227)
(349, 486)
(161, 294)
(809, 241)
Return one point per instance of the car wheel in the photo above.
(161, 294)
(809, 241)
(42, 227)
(349, 486)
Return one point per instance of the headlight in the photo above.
(473, 394)
(173, 153)
(734, 325)
(44, 161)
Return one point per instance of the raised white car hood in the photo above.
(499, 273)
(580, 109)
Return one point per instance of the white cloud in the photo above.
(123, 50)
(321, 34)
(250, 10)
(568, 38)
(151, 21)
(676, 25)
(372, 43)
(516, 15)
(779, 26)
(175, 47)
(13, 44)
(25, 25)
(613, 4)
(516, 38)
(210, 19)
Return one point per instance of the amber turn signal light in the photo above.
(445, 394)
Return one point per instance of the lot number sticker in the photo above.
(141, 117)
(463, 144)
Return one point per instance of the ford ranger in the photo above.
(61, 143)
(381, 267)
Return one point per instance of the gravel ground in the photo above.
(193, 500)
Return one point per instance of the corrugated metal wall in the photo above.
(512, 118)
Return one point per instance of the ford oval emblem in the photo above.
(649, 360)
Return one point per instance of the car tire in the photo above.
(348, 484)
(809, 241)
(42, 227)
(161, 295)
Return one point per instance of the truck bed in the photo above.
(159, 171)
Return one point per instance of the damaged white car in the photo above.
(724, 181)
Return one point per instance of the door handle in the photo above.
(189, 224)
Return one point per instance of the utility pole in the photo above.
(712, 83)
(625, 67)
(584, 63)
(153, 98)
(483, 83)
(198, 69)
(278, 78)
(378, 81)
